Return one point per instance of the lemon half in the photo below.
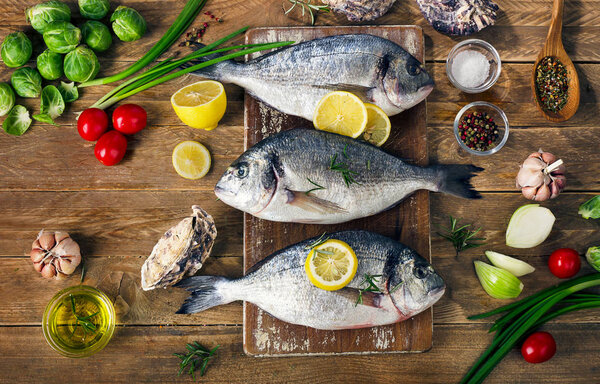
(331, 265)
(191, 160)
(342, 113)
(200, 105)
(378, 126)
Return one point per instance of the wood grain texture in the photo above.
(408, 223)
(144, 354)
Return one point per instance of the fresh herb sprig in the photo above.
(307, 6)
(317, 187)
(313, 246)
(369, 285)
(462, 237)
(343, 169)
(83, 321)
(197, 356)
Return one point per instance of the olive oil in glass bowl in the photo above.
(79, 321)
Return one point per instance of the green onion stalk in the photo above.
(158, 76)
(527, 314)
(191, 9)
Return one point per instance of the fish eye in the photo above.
(241, 171)
(413, 68)
(420, 272)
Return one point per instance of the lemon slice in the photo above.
(378, 126)
(331, 265)
(342, 113)
(191, 160)
(200, 105)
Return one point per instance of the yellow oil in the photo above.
(64, 328)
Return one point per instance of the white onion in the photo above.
(529, 226)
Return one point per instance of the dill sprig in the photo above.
(83, 321)
(316, 188)
(307, 6)
(462, 237)
(343, 169)
(197, 356)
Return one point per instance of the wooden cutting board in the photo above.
(408, 223)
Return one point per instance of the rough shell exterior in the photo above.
(459, 17)
(360, 10)
(180, 251)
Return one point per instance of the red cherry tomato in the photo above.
(129, 119)
(110, 148)
(538, 347)
(564, 263)
(92, 123)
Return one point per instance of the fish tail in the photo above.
(219, 71)
(455, 180)
(206, 292)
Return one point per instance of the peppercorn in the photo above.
(552, 84)
(478, 131)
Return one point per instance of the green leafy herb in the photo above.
(83, 321)
(317, 186)
(368, 165)
(462, 237)
(368, 285)
(312, 246)
(197, 356)
(343, 169)
(82, 273)
(396, 287)
(307, 6)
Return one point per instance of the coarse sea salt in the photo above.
(470, 68)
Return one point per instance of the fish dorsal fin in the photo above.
(312, 203)
(370, 299)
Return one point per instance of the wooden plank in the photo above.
(145, 354)
(408, 223)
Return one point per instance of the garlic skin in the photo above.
(541, 176)
(55, 254)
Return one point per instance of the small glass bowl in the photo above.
(499, 118)
(488, 51)
(50, 328)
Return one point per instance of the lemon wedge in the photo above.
(191, 160)
(331, 265)
(200, 105)
(378, 126)
(342, 113)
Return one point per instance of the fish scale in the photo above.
(279, 286)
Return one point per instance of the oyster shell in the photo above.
(360, 10)
(459, 17)
(180, 251)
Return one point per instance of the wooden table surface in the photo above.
(50, 179)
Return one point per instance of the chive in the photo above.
(159, 80)
(189, 12)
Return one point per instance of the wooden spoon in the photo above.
(554, 47)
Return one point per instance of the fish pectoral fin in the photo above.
(370, 299)
(311, 203)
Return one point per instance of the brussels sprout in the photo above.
(68, 91)
(52, 102)
(593, 257)
(50, 65)
(17, 121)
(127, 23)
(62, 36)
(93, 9)
(591, 208)
(27, 82)
(81, 65)
(39, 16)
(7, 98)
(96, 35)
(16, 49)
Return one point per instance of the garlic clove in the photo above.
(37, 255)
(67, 248)
(68, 265)
(46, 240)
(534, 163)
(555, 190)
(38, 266)
(560, 181)
(548, 157)
(537, 155)
(60, 236)
(529, 192)
(48, 271)
(543, 193)
(528, 177)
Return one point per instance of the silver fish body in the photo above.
(287, 177)
(407, 285)
(293, 79)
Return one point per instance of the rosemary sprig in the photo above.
(367, 285)
(82, 274)
(342, 168)
(197, 356)
(462, 237)
(312, 246)
(317, 186)
(83, 321)
(307, 5)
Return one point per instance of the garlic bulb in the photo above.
(55, 254)
(541, 176)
